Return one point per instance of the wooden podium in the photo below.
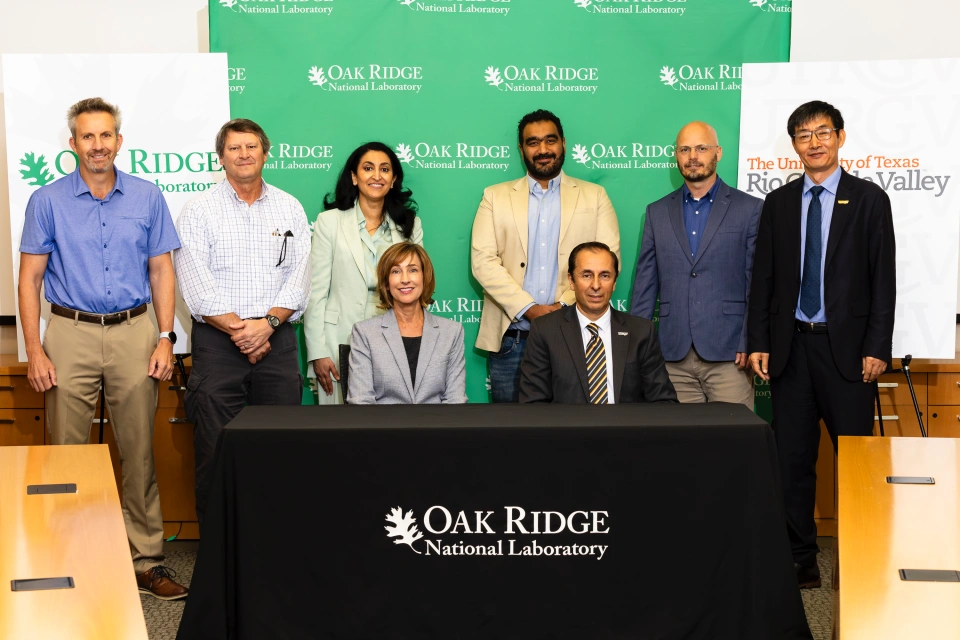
(80, 535)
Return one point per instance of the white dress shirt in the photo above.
(230, 250)
(603, 323)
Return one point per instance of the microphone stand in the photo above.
(905, 367)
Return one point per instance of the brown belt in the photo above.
(96, 318)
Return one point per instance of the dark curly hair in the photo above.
(398, 203)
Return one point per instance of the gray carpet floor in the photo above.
(163, 618)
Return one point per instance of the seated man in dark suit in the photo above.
(589, 353)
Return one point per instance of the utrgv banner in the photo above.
(900, 118)
(444, 83)
(171, 105)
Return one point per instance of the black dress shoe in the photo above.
(807, 577)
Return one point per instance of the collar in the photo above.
(80, 186)
(830, 184)
(264, 189)
(553, 185)
(710, 195)
(362, 222)
(603, 321)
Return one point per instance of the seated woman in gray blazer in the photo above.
(369, 211)
(407, 355)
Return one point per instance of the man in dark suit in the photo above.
(589, 353)
(820, 323)
(697, 253)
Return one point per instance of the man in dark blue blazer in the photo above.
(697, 253)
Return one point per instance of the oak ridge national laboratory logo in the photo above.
(470, 8)
(172, 172)
(460, 155)
(632, 156)
(512, 532)
(721, 77)
(634, 7)
(371, 77)
(777, 6)
(286, 7)
(547, 79)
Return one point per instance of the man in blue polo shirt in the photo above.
(99, 241)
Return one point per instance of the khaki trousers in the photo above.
(698, 380)
(83, 353)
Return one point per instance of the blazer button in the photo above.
(523, 264)
(693, 275)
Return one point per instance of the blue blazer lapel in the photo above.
(428, 344)
(717, 212)
(676, 221)
(391, 334)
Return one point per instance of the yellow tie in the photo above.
(596, 366)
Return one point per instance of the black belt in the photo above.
(811, 327)
(96, 318)
(517, 333)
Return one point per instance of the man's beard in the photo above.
(701, 173)
(550, 171)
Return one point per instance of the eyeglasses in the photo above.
(699, 149)
(806, 136)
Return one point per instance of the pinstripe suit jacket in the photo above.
(380, 373)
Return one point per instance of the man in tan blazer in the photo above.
(523, 234)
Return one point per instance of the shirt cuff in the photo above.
(523, 311)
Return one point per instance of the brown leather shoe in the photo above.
(807, 577)
(158, 582)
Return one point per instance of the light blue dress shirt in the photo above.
(99, 248)
(374, 247)
(827, 199)
(543, 246)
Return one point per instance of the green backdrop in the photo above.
(444, 82)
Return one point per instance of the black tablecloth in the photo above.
(684, 500)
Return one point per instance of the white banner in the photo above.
(902, 120)
(172, 106)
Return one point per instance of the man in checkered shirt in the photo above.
(244, 271)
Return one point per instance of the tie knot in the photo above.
(816, 191)
(593, 329)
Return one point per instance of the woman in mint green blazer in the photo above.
(368, 212)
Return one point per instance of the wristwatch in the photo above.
(169, 335)
(274, 321)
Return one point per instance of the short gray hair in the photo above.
(91, 105)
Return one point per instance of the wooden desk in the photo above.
(884, 528)
(79, 535)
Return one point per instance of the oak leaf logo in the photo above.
(317, 76)
(36, 173)
(404, 527)
(407, 3)
(758, 3)
(668, 76)
(492, 76)
(583, 4)
(404, 153)
(580, 154)
(229, 4)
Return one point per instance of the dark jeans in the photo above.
(222, 381)
(811, 388)
(505, 368)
